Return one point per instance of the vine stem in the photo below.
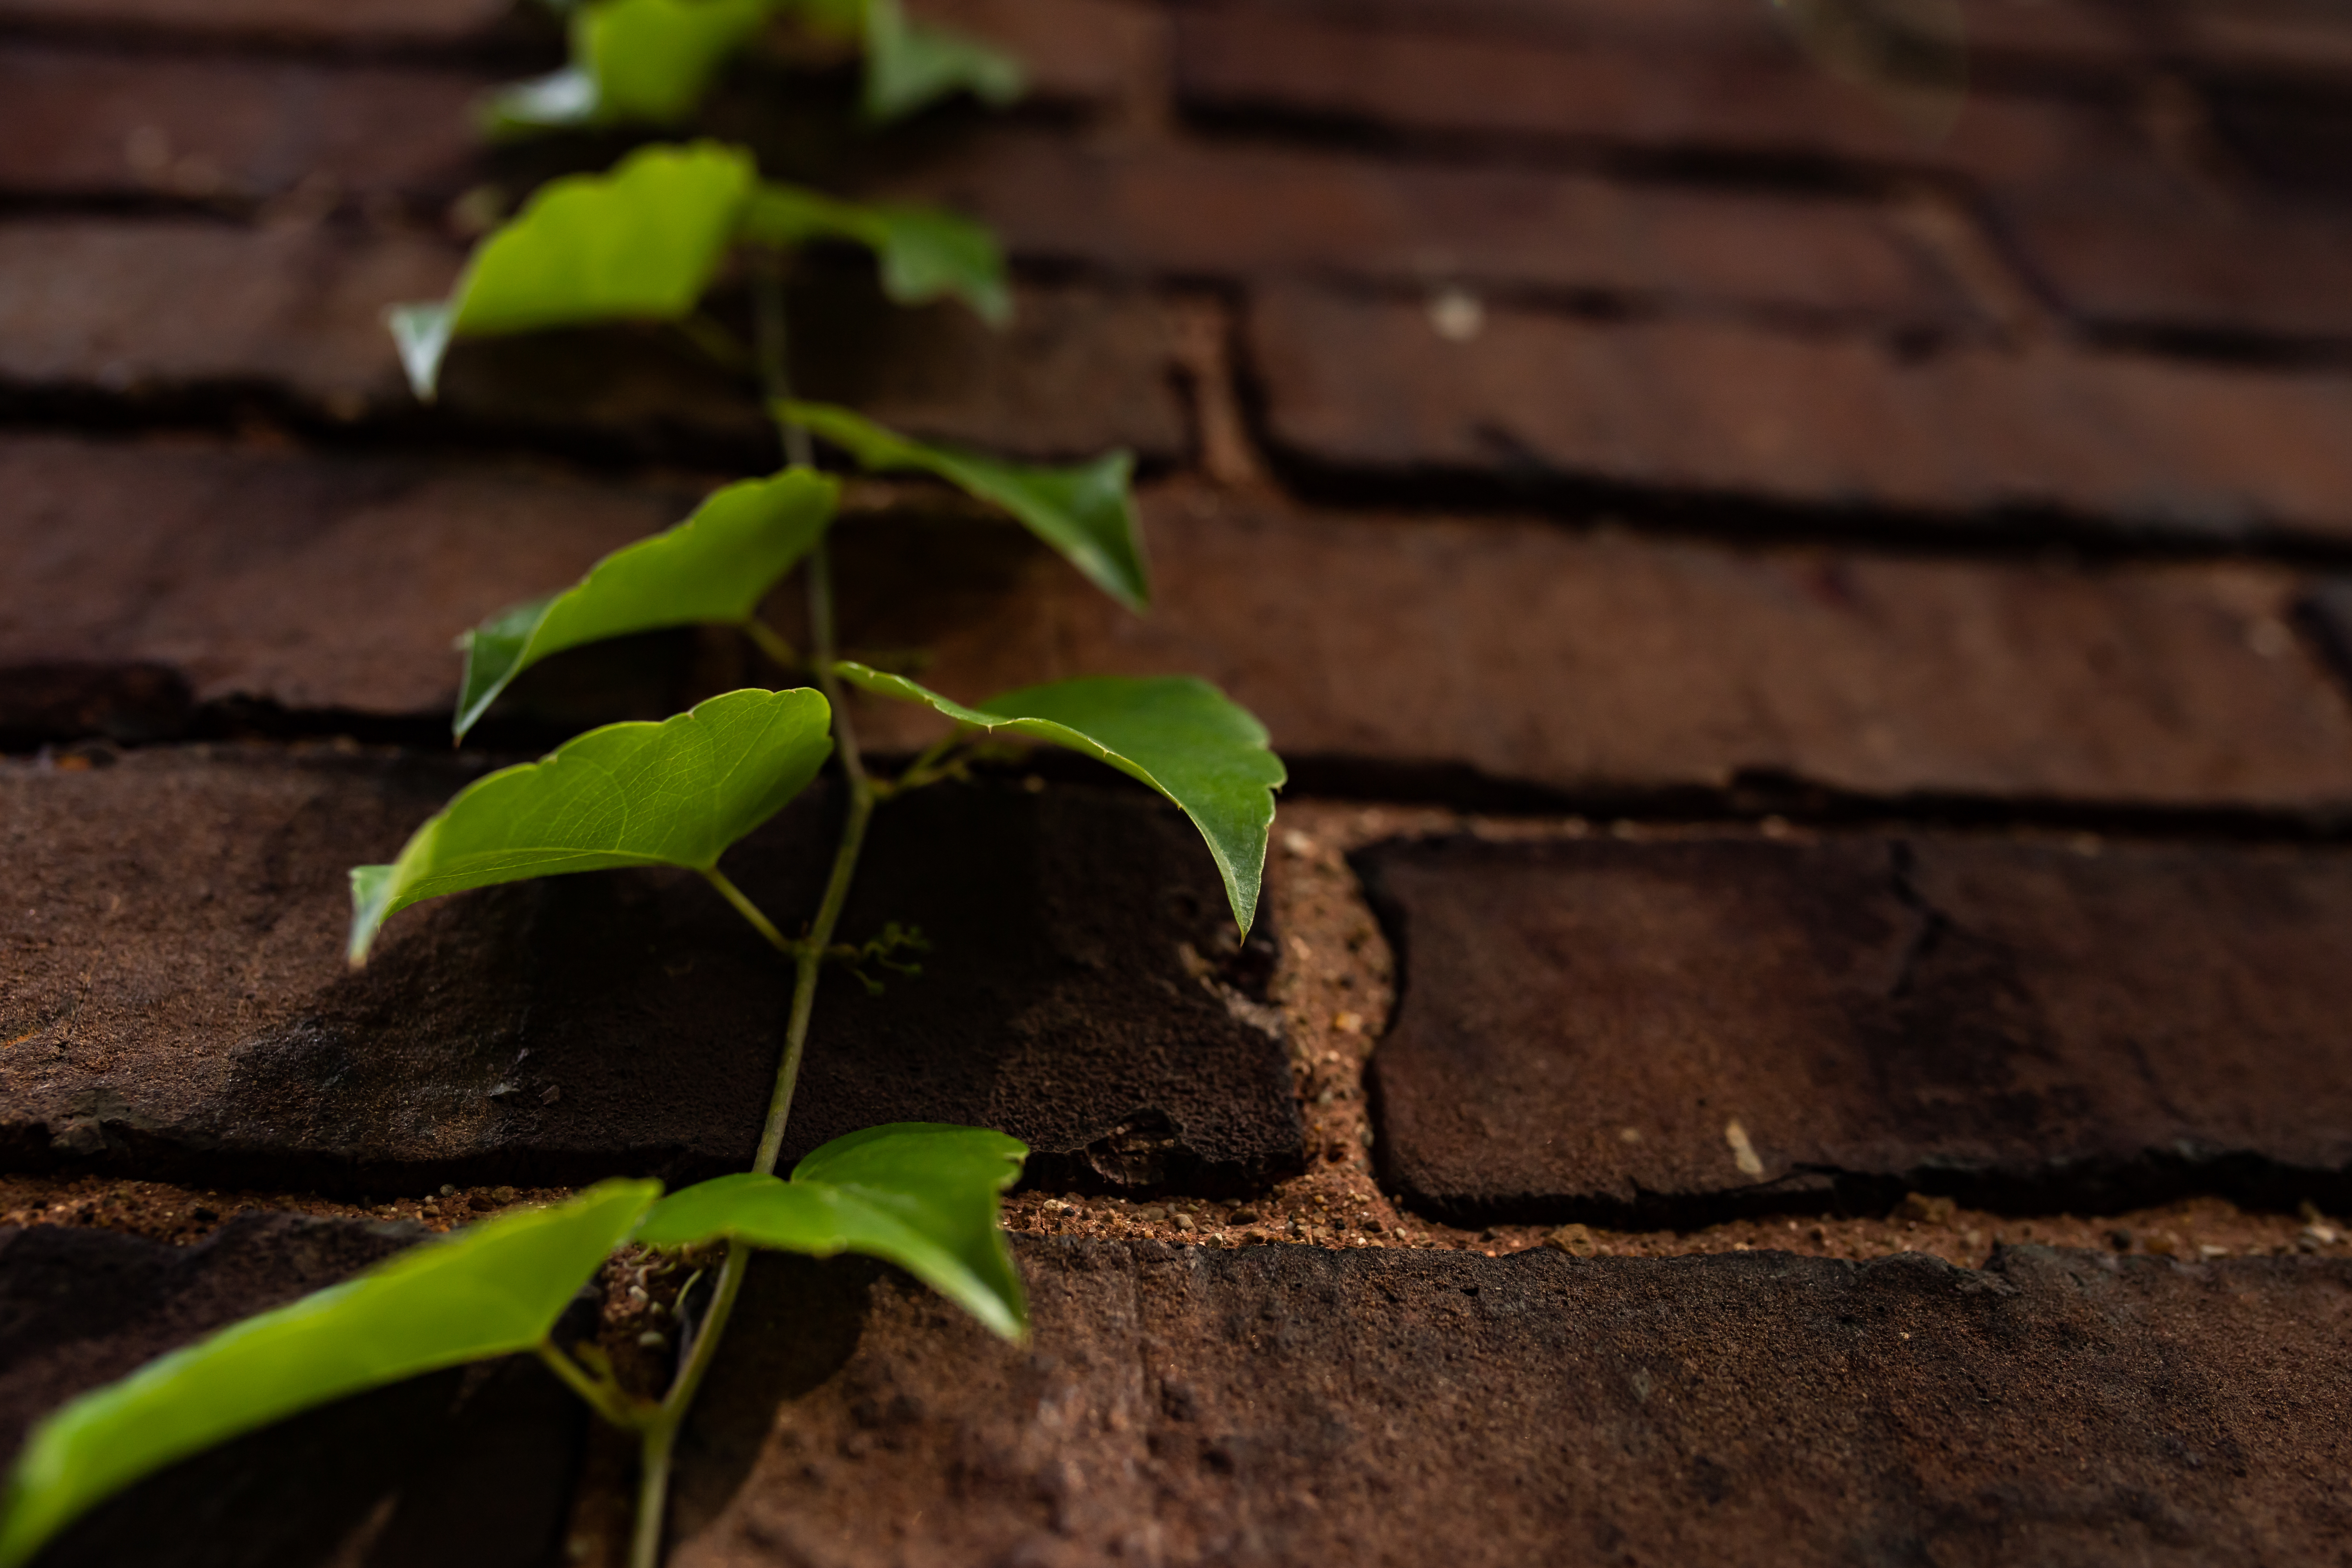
(658, 1434)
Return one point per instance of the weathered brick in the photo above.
(1099, 52)
(1764, 102)
(127, 307)
(84, 122)
(1609, 1029)
(173, 307)
(1188, 209)
(1293, 1406)
(179, 1004)
(1427, 648)
(305, 21)
(2140, 442)
(1601, 663)
(2190, 264)
(272, 577)
(464, 1469)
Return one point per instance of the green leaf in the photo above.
(673, 794)
(491, 1290)
(716, 565)
(1179, 735)
(1083, 511)
(925, 253)
(633, 60)
(920, 1194)
(910, 64)
(641, 243)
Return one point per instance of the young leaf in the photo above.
(491, 1290)
(917, 1193)
(641, 60)
(716, 565)
(1084, 512)
(640, 243)
(1178, 734)
(925, 254)
(910, 64)
(673, 794)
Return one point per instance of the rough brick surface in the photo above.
(464, 1469)
(306, 21)
(1296, 1407)
(86, 123)
(273, 577)
(1695, 407)
(131, 307)
(105, 306)
(179, 1004)
(1596, 1030)
(1420, 74)
(1424, 650)
(1186, 210)
(153, 581)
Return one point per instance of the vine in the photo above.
(649, 241)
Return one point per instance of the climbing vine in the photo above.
(649, 240)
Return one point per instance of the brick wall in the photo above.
(1813, 659)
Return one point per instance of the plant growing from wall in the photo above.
(646, 242)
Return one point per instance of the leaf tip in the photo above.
(421, 333)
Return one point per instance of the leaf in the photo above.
(1083, 511)
(716, 566)
(925, 253)
(910, 64)
(633, 60)
(491, 1290)
(673, 794)
(920, 1194)
(641, 243)
(1179, 735)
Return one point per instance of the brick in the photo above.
(88, 123)
(1099, 52)
(2191, 265)
(155, 580)
(477, 1470)
(408, 22)
(1290, 1406)
(129, 307)
(1606, 1028)
(1422, 649)
(295, 581)
(2185, 448)
(179, 1002)
(1187, 209)
(110, 307)
(1766, 103)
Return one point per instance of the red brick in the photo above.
(1100, 52)
(1189, 210)
(83, 123)
(129, 307)
(1507, 649)
(1291, 1407)
(2195, 264)
(293, 581)
(1603, 1029)
(307, 21)
(1766, 103)
(1519, 650)
(172, 307)
(1694, 407)
(180, 1006)
(2294, 36)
